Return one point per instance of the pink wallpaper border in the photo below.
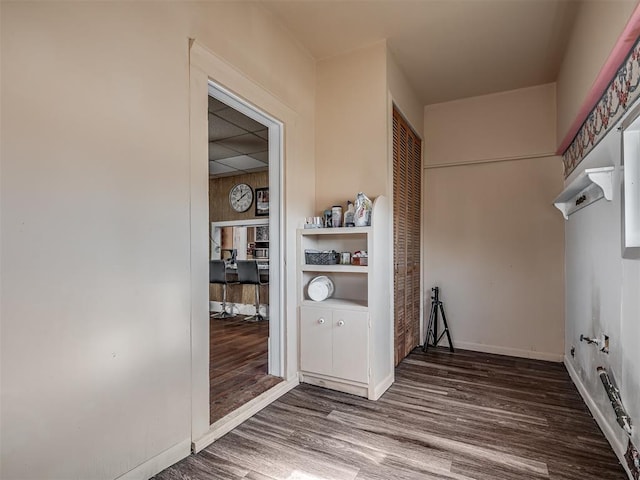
(615, 89)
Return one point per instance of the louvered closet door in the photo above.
(407, 171)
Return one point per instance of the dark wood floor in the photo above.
(455, 416)
(238, 364)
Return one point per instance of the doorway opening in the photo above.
(245, 344)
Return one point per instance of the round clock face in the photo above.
(241, 197)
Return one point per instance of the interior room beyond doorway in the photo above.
(239, 290)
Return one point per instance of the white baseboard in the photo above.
(512, 352)
(338, 384)
(609, 433)
(158, 463)
(249, 409)
(383, 386)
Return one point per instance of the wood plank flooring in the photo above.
(462, 416)
(238, 364)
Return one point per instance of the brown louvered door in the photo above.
(407, 169)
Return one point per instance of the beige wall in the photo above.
(95, 296)
(353, 123)
(502, 125)
(595, 32)
(493, 240)
(351, 126)
(404, 96)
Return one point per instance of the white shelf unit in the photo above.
(591, 185)
(346, 341)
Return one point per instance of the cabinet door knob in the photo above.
(341, 323)
(321, 320)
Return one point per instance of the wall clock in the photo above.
(241, 197)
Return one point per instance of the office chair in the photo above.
(248, 274)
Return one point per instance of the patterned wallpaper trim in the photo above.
(614, 91)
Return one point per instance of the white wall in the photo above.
(493, 241)
(603, 298)
(601, 287)
(95, 299)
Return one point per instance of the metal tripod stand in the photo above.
(432, 326)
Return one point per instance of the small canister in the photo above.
(345, 258)
(327, 218)
(336, 216)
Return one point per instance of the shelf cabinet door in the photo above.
(350, 345)
(315, 340)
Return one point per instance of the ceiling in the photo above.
(448, 49)
(237, 143)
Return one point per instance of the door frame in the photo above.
(205, 66)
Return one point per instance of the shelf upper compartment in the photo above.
(335, 231)
(335, 268)
(588, 187)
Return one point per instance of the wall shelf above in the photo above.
(588, 187)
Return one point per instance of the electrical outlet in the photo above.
(633, 461)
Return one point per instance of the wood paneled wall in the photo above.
(219, 208)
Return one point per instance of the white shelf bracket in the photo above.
(603, 179)
(588, 187)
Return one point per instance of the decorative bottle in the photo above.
(348, 215)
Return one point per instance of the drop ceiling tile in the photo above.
(263, 133)
(217, 151)
(242, 162)
(217, 168)
(261, 156)
(248, 143)
(264, 168)
(219, 129)
(240, 119)
(216, 105)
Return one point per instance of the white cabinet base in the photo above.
(335, 343)
(326, 381)
(373, 392)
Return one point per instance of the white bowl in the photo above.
(320, 288)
